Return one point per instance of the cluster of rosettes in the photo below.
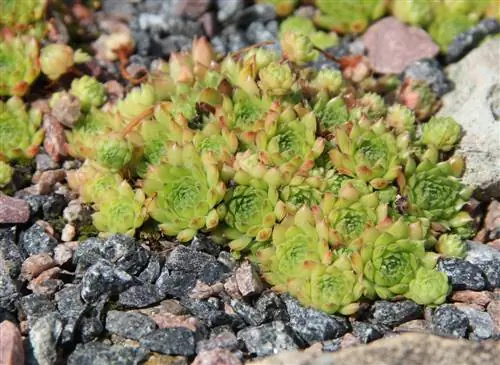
(444, 19)
(315, 178)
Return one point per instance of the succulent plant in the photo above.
(20, 136)
(6, 172)
(89, 91)
(442, 133)
(303, 190)
(56, 59)
(251, 213)
(19, 63)
(368, 152)
(298, 241)
(417, 96)
(331, 113)
(328, 81)
(429, 287)
(451, 245)
(415, 12)
(356, 209)
(400, 119)
(435, 193)
(287, 136)
(297, 23)
(447, 26)
(298, 48)
(391, 260)
(183, 191)
(347, 16)
(276, 79)
(372, 106)
(120, 211)
(137, 101)
(16, 13)
(112, 151)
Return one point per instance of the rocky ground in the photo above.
(68, 297)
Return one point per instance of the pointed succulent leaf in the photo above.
(331, 113)
(17, 13)
(113, 151)
(415, 12)
(328, 80)
(401, 119)
(137, 101)
(447, 26)
(276, 79)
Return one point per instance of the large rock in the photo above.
(408, 349)
(475, 104)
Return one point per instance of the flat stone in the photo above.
(129, 324)
(139, 296)
(313, 325)
(35, 241)
(94, 353)
(366, 332)
(35, 306)
(395, 313)
(216, 357)
(11, 345)
(170, 341)
(224, 340)
(248, 279)
(9, 293)
(35, 264)
(408, 349)
(494, 311)
(104, 278)
(13, 210)
(480, 322)
(249, 314)
(392, 46)
(44, 337)
(448, 320)
(481, 298)
(462, 274)
(270, 338)
(474, 104)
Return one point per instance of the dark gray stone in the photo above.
(104, 278)
(9, 293)
(91, 323)
(211, 314)
(430, 71)
(152, 272)
(367, 332)
(487, 259)
(44, 337)
(219, 44)
(170, 341)
(313, 325)
(463, 275)
(332, 345)
(163, 47)
(395, 313)
(132, 325)
(35, 240)
(35, 202)
(175, 283)
(97, 353)
(36, 306)
(250, 315)
(72, 308)
(53, 206)
(466, 41)
(268, 339)
(126, 253)
(11, 257)
(142, 43)
(224, 339)
(481, 324)
(257, 32)
(228, 9)
(258, 12)
(272, 306)
(87, 253)
(203, 243)
(205, 267)
(139, 296)
(448, 320)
